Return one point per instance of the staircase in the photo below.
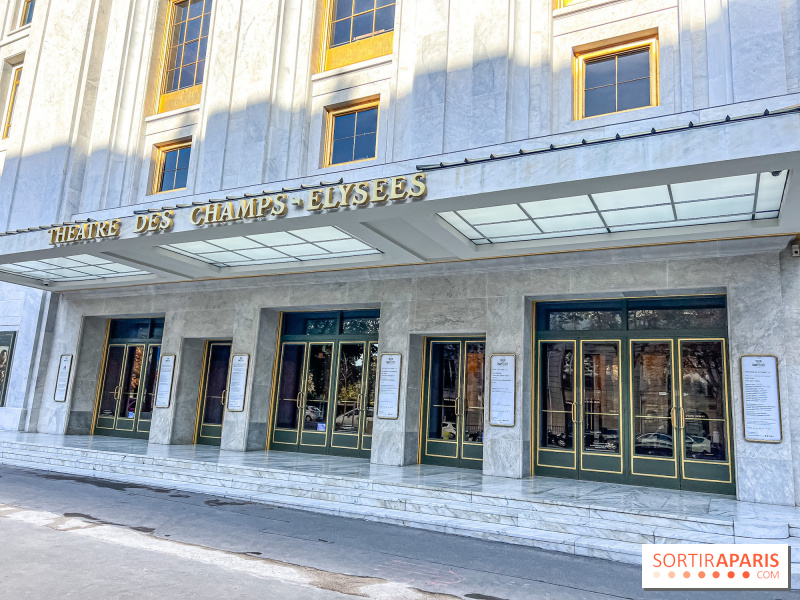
(609, 533)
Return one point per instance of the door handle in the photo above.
(459, 412)
(118, 392)
(298, 399)
(672, 418)
(574, 413)
(224, 396)
(683, 418)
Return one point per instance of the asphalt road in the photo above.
(72, 537)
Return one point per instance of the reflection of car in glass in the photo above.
(313, 414)
(696, 446)
(562, 440)
(601, 442)
(654, 443)
(448, 431)
(349, 420)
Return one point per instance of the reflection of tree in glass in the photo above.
(702, 369)
(360, 325)
(351, 366)
(585, 320)
(677, 318)
(318, 372)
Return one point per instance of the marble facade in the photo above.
(464, 81)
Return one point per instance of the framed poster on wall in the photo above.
(502, 389)
(7, 339)
(761, 398)
(62, 382)
(166, 372)
(237, 382)
(389, 386)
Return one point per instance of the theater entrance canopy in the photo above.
(648, 189)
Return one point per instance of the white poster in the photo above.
(238, 382)
(502, 372)
(389, 386)
(165, 372)
(62, 383)
(761, 399)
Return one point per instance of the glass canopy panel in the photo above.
(650, 214)
(570, 223)
(82, 267)
(461, 225)
(715, 208)
(493, 214)
(270, 248)
(559, 206)
(648, 196)
(508, 229)
(714, 188)
(770, 191)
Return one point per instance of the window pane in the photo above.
(200, 66)
(180, 178)
(206, 24)
(384, 3)
(635, 65)
(703, 380)
(601, 433)
(168, 181)
(357, 325)
(181, 11)
(208, 6)
(599, 101)
(172, 80)
(187, 76)
(27, 12)
(677, 318)
(196, 8)
(365, 146)
(601, 378)
(367, 121)
(384, 19)
(600, 73)
(201, 52)
(633, 94)
(190, 53)
(363, 5)
(704, 440)
(653, 437)
(172, 60)
(344, 126)
(557, 395)
(344, 8)
(341, 32)
(193, 29)
(362, 25)
(342, 151)
(584, 320)
(179, 35)
(183, 157)
(171, 160)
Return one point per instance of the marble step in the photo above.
(630, 532)
(637, 528)
(584, 545)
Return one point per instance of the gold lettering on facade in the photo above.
(379, 190)
(85, 231)
(315, 200)
(160, 221)
(362, 193)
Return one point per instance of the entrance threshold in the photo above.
(604, 520)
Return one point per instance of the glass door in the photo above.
(286, 431)
(355, 389)
(454, 403)
(213, 391)
(654, 416)
(127, 385)
(316, 396)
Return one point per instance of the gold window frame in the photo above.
(167, 101)
(161, 155)
(330, 117)
(24, 11)
(353, 52)
(16, 75)
(579, 73)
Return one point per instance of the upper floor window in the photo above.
(185, 53)
(617, 79)
(352, 133)
(358, 30)
(12, 97)
(187, 45)
(172, 167)
(355, 20)
(27, 12)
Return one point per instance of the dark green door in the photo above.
(634, 391)
(453, 402)
(213, 389)
(127, 390)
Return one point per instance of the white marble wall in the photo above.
(489, 298)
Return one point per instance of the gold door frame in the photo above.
(426, 369)
(276, 390)
(673, 422)
(364, 345)
(463, 394)
(101, 383)
(331, 386)
(203, 383)
(581, 407)
(728, 416)
(537, 417)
